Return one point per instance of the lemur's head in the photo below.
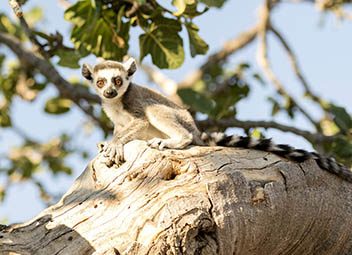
(110, 78)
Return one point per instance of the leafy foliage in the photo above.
(341, 118)
(96, 30)
(217, 93)
(57, 105)
(103, 27)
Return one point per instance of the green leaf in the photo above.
(213, 3)
(7, 26)
(290, 107)
(196, 100)
(227, 100)
(98, 30)
(341, 117)
(162, 41)
(5, 119)
(341, 149)
(34, 15)
(276, 107)
(197, 45)
(2, 60)
(259, 78)
(2, 193)
(68, 58)
(56, 166)
(58, 105)
(242, 67)
(181, 5)
(192, 12)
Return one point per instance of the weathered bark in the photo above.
(202, 200)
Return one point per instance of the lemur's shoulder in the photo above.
(140, 96)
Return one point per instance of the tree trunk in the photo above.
(202, 200)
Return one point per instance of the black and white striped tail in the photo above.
(282, 150)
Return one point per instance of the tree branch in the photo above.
(246, 124)
(47, 70)
(200, 200)
(76, 94)
(263, 61)
(228, 49)
(294, 63)
(168, 85)
(16, 7)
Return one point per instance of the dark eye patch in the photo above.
(117, 80)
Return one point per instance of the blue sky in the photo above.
(322, 43)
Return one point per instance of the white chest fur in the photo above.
(117, 114)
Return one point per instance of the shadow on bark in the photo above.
(46, 239)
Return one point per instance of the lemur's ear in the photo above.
(87, 72)
(130, 66)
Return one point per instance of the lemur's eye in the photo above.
(100, 83)
(118, 81)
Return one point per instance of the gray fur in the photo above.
(140, 113)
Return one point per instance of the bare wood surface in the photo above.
(202, 200)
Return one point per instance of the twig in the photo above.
(47, 70)
(16, 7)
(168, 85)
(295, 66)
(45, 66)
(246, 124)
(66, 90)
(265, 64)
(21, 133)
(230, 47)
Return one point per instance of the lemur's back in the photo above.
(173, 126)
(136, 94)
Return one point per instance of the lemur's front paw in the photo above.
(114, 153)
(157, 143)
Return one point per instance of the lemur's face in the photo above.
(110, 78)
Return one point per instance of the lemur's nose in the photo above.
(110, 93)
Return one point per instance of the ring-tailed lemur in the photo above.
(140, 113)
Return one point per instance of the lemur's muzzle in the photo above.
(110, 93)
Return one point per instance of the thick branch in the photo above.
(47, 70)
(201, 200)
(228, 49)
(76, 94)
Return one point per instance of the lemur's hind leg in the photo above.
(179, 136)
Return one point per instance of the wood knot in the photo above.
(175, 167)
(258, 195)
(169, 171)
